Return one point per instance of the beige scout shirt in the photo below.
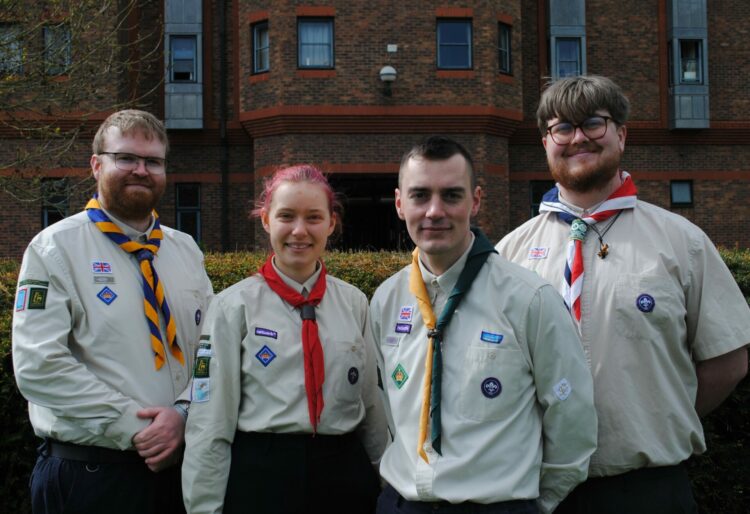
(531, 439)
(83, 357)
(660, 300)
(249, 324)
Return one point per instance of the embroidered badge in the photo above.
(399, 376)
(265, 356)
(353, 375)
(538, 253)
(201, 367)
(198, 316)
(265, 332)
(645, 303)
(101, 267)
(406, 312)
(562, 389)
(491, 387)
(403, 328)
(21, 299)
(107, 295)
(37, 297)
(204, 350)
(392, 340)
(33, 282)
(104, 279)
(200, 391)
(489, 337)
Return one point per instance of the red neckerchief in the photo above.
(312, 349)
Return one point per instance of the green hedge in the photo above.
(721, 477)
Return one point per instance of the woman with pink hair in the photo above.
(285, 413)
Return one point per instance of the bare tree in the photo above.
(64, 65)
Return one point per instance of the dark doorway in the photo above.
(370, 219)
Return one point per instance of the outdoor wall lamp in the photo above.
(387, 77)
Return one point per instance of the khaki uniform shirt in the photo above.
(256, 382)
(661, 300)
(81, 344)
(517, 409)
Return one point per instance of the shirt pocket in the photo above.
(648, 308)
(345, 362)
(494, 381)
(189, 309)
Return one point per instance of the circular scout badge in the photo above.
(645, 303)
(353, 375)
(491, 387)
(198, 317)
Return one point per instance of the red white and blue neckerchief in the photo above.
(572, 284)
(154, 299)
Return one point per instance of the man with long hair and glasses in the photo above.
(661, 320)
(105, 329)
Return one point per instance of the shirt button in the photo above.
(178, 376)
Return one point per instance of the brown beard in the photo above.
(590, 179)
(131, 205)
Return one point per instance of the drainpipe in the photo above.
(224, 159)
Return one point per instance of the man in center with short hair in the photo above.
(487, 392)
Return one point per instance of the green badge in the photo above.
(400, 376)
(201, 367)
(37, 297)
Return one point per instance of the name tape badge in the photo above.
(489, 337)
(403, 328)
(265, 332)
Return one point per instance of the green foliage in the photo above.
(721, 477)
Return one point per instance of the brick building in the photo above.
(252, 85)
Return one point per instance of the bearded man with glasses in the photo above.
(106, 325)
(662, 322)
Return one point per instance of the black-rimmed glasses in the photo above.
(593, 128)
(129, 162)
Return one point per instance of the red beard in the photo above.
(589, 177)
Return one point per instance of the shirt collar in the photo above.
(447, 281)
(133, 234)
(304, 288)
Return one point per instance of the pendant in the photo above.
(603, 251)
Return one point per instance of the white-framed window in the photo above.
(57, 49)
(188, 209)
(183, 51)
(11, 50)
(503, 47)
(315, 43)
(568, 56)
(261, 61)
(681, 193)
(454, 50)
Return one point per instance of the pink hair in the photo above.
(297, 173)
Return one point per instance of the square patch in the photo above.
(37, 297)
(201, 367)
(200, 392)
(265, 356)
(562, 389)
(406, 312)
(107, 295)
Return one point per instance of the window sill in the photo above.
(506, 79)
(455, 74)
(316, 74)
(260, 77)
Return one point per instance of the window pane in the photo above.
(690, 66)
(315, 44)
(55, 200)
(537, 189)
(11, 50)
(57, 51)
(188, 195)
(188, 222)
(568, 57)
(504, 47)
(260, 45)
(681, 192)
(454, 44)
(183, 52)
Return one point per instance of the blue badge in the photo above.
(489, 337)
(21, 299)
(265, 356)
(353, 375)
(107, 295)
(645, 303)
(198, 315)
(403, 328)
(265, 332)
(491, 387)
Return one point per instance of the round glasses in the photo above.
(129, 162)
(593, 128)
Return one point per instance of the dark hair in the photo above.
(574, 99)
(438, 148)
